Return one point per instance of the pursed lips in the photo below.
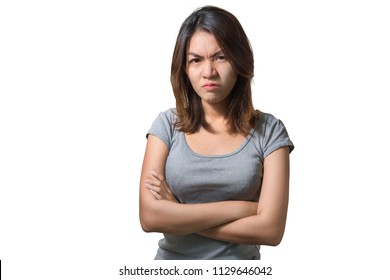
(210, 85)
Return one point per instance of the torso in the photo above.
(206, 167)
(209, 167)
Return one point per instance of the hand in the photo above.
(159, 188)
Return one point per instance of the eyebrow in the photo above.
(219, 52)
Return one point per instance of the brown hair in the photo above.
(233, 41)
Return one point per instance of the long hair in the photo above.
(233, 41)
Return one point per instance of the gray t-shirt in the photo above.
(196, 178)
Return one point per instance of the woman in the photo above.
(215, 175)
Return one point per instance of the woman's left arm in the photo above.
(267, 227)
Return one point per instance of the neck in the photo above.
(215, 115)
(214, 111)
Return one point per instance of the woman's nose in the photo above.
(208, 69)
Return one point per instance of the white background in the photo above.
(82, 81)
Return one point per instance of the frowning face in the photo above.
(211, 75)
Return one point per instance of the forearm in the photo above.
(174, 218)
(256, 230)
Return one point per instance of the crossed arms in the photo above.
(240, 222)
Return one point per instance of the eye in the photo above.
(220, 58)
(194, 60)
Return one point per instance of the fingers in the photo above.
(159, 188)
(151, 186)
(157, 191)
(155, 194)
(158, 181)
(155, 179)
(161, 182)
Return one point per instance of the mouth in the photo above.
(209, 86)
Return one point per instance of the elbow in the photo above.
(149, 226)
(148, 218)
(269, 236)
(272, 230)
(274, 241)
(146, 226)
(151, 222)
(148, 223)
(152, 225)
(274, 237)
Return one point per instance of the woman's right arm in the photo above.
(160, 215)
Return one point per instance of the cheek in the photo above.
(192, 76)
(190, 73)
(227, 73)
(231, 78)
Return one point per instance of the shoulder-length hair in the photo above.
(233, 41)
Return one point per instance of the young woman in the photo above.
(215, 176)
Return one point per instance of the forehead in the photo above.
(202, 41)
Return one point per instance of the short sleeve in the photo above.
(275, 136)
(162, 127)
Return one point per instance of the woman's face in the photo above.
(210, 74)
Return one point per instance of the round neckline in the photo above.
(235, 151)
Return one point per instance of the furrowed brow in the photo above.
(217, 53)
(194, 54)
(220, 52)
